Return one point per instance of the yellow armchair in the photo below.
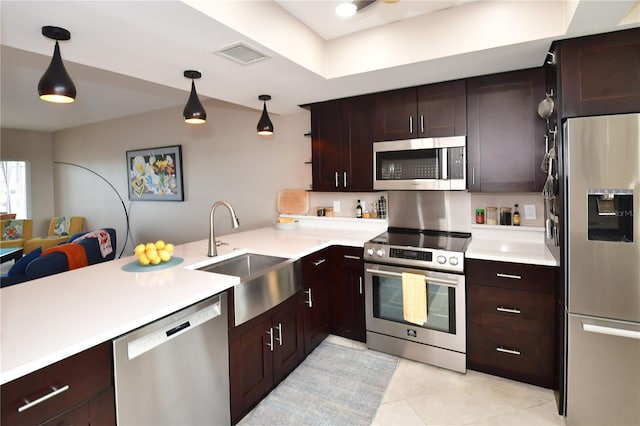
(58, 233)
(15, 232)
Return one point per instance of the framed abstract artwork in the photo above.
(155, 174)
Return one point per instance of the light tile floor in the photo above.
(420, 394)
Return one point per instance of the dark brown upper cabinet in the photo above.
(505, 141)
(341, 145)
(434, 110)
(600, 74)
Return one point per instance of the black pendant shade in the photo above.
(55, 84)
(265, 126)
(194, 112)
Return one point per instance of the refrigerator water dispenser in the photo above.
(610, 215)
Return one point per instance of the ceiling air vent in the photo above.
(242, 53)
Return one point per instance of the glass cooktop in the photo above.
(439, 240)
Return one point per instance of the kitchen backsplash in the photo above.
(348, 201)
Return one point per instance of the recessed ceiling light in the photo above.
(346, 9)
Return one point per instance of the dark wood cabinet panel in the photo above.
(317, 270)
(600, 74)
(341, 144)
(357, 144)
(520, 356)
(442, 109)
(396, 115)
(85, 375)
(348, 311)
(326, 145)
(434, 110)
(505, 143)
(511, 275)
(511, 321)
(262, 352)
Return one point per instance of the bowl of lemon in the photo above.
(285, 223)
(153, 253)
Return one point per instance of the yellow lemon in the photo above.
(150, 246)
(140, 248)
(159, 244)
(164, 255)
(156, 260)
(152, 255)
(143, 259)
(168, 247)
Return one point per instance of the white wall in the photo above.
(35, 148)
(223, 159)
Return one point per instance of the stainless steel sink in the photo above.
(265, 281)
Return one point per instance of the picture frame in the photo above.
(155, 174)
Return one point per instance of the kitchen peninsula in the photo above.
(51, 319)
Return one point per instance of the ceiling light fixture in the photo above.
(265, 126)
(346, 9)
(194, 112)
(55, 84)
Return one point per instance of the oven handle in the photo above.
(439, 281)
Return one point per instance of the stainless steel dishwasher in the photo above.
(175, 371)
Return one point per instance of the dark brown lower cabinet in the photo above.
(317, 274)
(347, 303)
(81, 389)
(511, 321)
(262, 352)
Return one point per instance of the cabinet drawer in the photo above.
(519, 356)
(511, 309)
(81, 376)
(318, 263)
(511, 275)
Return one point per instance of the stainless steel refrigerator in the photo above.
(602, 271)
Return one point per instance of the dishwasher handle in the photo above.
(153, 336)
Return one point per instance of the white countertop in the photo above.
(510, 244)
(52, 318)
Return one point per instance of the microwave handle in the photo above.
(444, 160)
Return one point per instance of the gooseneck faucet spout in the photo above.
(213, 250)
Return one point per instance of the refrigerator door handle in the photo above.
(611, 331)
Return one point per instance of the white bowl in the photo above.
(285, 226)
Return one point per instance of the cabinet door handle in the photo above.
(319, 262)
(360, 283)
(344, 180)
(411, 124)
(270, 344)
(348, 256)
(54, 391)
(473, 176)
(309, 301)
(513, 277)
(337, 184)
(279, 338)
(421, 123)
(508, 310)
(507, 351)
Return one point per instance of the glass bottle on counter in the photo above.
(359, 210)
(491, 216)
(516, 216)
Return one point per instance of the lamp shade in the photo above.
(194, 112)
(55, 84)
(265, 126)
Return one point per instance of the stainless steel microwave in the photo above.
(421, 164)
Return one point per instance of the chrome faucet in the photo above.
(213, 250)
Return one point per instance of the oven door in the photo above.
(445, 326)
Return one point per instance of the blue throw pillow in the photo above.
(20, 267)
(76, 235)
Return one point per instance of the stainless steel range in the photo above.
(409, 271)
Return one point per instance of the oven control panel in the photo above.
(423, 258)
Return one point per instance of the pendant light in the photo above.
(194, 112)
(55, 84)
(265, 126)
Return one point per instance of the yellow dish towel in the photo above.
(414, 298)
